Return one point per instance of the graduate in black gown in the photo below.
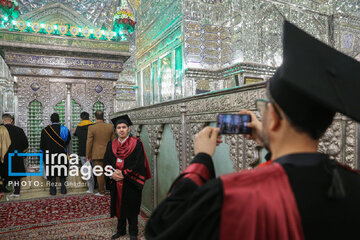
(126, 156)
(54, 141)
(300, 193)
(20, 144)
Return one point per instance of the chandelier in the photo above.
(9, 11)
(124, 20)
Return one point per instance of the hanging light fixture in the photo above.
(124, 19)
(9, 11)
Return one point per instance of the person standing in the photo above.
(81, 132)
(99, 135)
(300, 193)
(5, 143)
(126, 156)
(54, 141)
(19, 143)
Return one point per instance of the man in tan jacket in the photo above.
(98, 137)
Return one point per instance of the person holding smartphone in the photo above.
(300, 194)
(127, 158)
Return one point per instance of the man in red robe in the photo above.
(126, 156)
(300, 194)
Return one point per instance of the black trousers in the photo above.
(16, 186)
(53, 184)
(133, 225)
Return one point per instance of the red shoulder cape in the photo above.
(259, 204)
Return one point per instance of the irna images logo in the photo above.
(40, 155)
(56, 162)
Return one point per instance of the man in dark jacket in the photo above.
(53, 143)
(20, 144)
(81, 132)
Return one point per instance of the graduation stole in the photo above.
(61, 145)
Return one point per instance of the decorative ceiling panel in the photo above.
(98, 12)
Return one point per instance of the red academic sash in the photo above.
(121, 152)
(259, 204)
(119, 187)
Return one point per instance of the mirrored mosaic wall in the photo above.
(7, 101)
(125, 90)
(159, 52)
(255, 28)
(41, 97)
(97, 12)
(219, 36)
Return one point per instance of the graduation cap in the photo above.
(122, 119)
(314, 81)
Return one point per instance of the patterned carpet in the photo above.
(65, 217)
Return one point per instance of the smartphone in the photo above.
(233, 123)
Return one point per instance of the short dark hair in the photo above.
(54, 118)
(84, 116)
(314, 123)
(316, 128)
(6, 116)
(99, 115)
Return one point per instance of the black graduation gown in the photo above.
(20, 143)
(132, 189)
(194, 212)
(48, 143)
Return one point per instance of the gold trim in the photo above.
(74, 31)
(109, 34)
(19, 27)
(49, 28)
(97, 33)
(36, 27)
(86, 32)
(63, 29)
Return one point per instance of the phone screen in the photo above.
(233, 123)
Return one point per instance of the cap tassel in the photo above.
(336, 190)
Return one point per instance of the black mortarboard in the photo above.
(315, 81)
(122, 119)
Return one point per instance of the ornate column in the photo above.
(155, 135)
(183, 139)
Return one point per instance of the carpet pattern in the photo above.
(65, 217)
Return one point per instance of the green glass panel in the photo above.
(97, 106)
(35, 125)
(138, 83)
(60, 109)
(146, 85)
(76, 111)
(178, 72)
(155, 81)
(166, 78)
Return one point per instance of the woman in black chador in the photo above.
(126, 156)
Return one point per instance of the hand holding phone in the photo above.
(206, 140)
(256, 128)
(233, 123)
